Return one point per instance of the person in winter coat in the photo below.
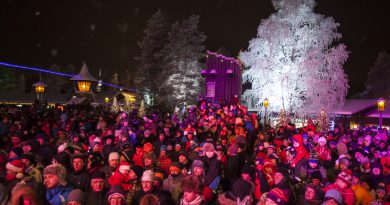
(322, 150)
(57, 189)
(276, 196)
(333, 197)
(113, 163)
(172, 184)
(312, 166)
(343, 185)
(240, 194)
(232, 168)
(79, 178)
(212, 166)
(191, 191)
(363, 196)
(33, 168)
(302, 153)
(121, 176)
(116, 195)
(76, 197)
(312, 196)
(147, 184)
(97, 191)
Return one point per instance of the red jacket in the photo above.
(302, 153)
(118, 178)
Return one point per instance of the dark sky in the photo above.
(104, 32)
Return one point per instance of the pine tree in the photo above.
(377, 83)
(323, 121)
(295, 61)
(183, 53)
(151, 61)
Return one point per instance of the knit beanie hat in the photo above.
(334, 194)
(346, 176)
(58, 170)
(115, 190)
(197, 163)
(208, 147)
(123, 166)
(322, 139)
(113, 155)
(278, 196)
(190, 183)
(16, 166)
(78, 156)
(177, 165)
(148, 175)
(163, 148)
(76, 195)
(242, 188)
(98, 175)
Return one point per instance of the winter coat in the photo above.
(79, 180)
(302, 153)
(348, 194)
(363, 197)
(323, 153)
(96, 198)
(212, 169)
(108, 171)
(173, 185)
(233, 167)
(58, 195)
(164, 197)
(164, 163)
(261, 185)
(119, 179)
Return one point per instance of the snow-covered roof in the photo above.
(353, 106)
(84, 75)
(374, 113)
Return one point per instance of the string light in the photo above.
(58, 73)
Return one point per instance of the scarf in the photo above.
(198, 200)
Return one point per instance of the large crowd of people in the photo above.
(211, 153)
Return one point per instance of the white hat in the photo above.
(148, 175)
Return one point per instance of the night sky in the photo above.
(104, 34)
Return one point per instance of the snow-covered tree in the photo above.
(377, 83)
(295, 61)
(151, 60)
(183, 53)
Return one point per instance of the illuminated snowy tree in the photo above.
(295, 61)
(151, 60)
(183, 52)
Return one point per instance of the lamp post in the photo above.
(39, 89)
(265, 104)
(381, 108)
(83, 80)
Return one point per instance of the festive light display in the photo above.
(295, 61)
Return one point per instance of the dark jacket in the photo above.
(79, 180)
(96, 198)
(164, 197)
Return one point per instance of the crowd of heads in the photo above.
(209, 153)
